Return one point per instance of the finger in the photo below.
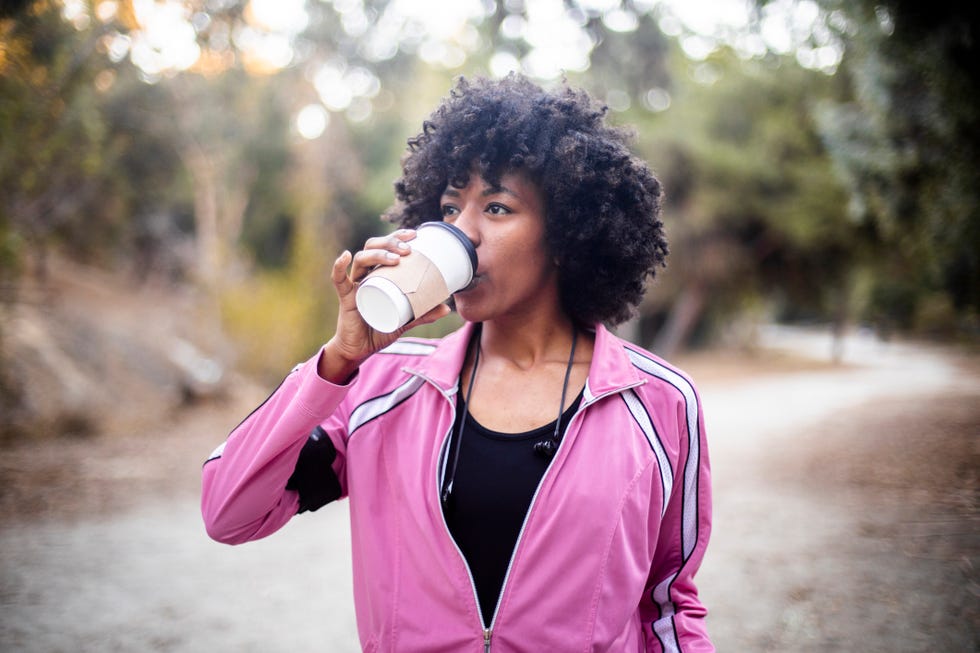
(404, 234)
(339, 273)
(368, 259)
(396, 242)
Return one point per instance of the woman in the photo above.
(530, 482)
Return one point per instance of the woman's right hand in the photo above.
(354, 341)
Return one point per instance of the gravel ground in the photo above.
(846, 519)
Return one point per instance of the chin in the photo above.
(471, 311)
(468, 314)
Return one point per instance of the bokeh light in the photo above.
(312, 121)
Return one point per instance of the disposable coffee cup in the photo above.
(442, 262)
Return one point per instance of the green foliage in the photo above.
(276, 319)
(83, 166)
(753, 207)
(279, 317)
(51, 150)
(904, 140)
(812, 194)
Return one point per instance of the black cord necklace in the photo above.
(549, 447)
(546, 448)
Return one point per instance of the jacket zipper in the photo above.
(520, 534)
(488, 631)
(534, 498)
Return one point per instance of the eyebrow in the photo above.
(492, 190)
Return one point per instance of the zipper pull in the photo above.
(487, 634)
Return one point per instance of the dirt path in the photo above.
(846, 506)
(846, 519)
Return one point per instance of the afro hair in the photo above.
(602, 203)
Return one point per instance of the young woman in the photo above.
(530, 482)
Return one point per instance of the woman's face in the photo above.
(516, 274)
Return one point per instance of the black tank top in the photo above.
(496, 478)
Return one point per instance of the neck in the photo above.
(528, 341)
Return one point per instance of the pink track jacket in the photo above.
(605, 560)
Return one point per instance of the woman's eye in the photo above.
(449, 210)
(498, 209)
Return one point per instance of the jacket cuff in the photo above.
(315, 394)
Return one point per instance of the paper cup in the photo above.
(442, 261)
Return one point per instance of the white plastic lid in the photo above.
(450, 250)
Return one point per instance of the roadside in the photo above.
(858, 533)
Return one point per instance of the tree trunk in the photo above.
(221, 184)
(683, 317)
(206, 228)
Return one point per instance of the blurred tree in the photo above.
(753, 207)
(626, 65)
(150, 229)
(80, 165)
(905, 139)
(199, 120)
(231, 134)
(51, 132)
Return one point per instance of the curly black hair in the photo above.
(602, 203)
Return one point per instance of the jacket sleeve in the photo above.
(253, 483)
(673, 613)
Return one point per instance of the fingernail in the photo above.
(391, 256)
(402, 245)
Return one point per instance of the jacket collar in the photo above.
(611, 369)
(443, 366)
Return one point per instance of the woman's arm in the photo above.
(250, 484)
(676, 614)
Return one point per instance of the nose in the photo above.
(468, 222)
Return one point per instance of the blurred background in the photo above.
(177, 176)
